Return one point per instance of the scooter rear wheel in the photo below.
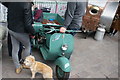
(62, 75)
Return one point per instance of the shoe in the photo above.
(18, 70)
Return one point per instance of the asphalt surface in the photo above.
(90, 59)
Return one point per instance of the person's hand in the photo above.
(62, 29)
(32, 36)
(33, 25)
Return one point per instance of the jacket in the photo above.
(20, 17)
(74, 13)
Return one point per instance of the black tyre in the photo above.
(61, 75)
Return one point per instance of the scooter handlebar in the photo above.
(53, 29)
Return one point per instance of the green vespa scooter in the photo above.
(55, 46)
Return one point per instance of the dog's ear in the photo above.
(32, 56)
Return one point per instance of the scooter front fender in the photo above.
(63, 63)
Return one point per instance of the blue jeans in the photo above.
(16, 38)
(10, 47)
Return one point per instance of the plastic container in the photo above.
(53, 16)
(99, 34)
(51, 19)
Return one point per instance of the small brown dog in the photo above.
(39, 67)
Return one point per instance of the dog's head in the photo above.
(29, 60)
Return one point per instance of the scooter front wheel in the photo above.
(62, 75)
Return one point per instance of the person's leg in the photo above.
(15, 49)
(115, 31)
(20, 51)
(25, 40)
(9, 45)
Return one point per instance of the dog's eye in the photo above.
(26, 61)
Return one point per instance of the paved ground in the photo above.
(90, 59)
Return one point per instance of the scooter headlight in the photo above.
(64, 47)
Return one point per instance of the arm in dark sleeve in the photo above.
(28, 18)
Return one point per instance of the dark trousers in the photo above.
(10, 47)
(113, 31)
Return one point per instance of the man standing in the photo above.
(74, 13)
(20, 26)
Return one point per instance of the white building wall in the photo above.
(3, 13)
(56, 7)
